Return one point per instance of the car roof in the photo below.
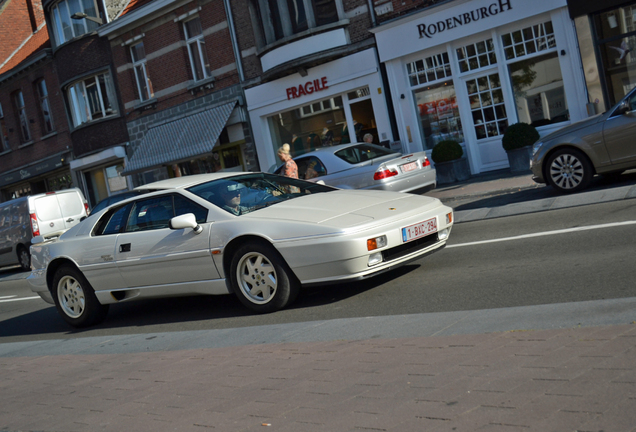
(187, 181)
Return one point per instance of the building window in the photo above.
(67, 28)
(487, 106)
(196, 49)
(21, 114)
(475, 56)
(144, 86)
(4, 137)
(91, 99)
(45, 108)
(529, 40)
(438, 114)
(284, 18)
(428, 69)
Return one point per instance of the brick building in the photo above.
(181, 89)
(35, 144)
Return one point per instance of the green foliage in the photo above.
(447, 150)
(519, 135)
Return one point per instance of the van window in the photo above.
(71, 204)
(47, 208)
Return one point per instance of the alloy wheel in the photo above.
(71, 297)
(567, 171)
(256, 277)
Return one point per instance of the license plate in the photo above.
(409, 167)
(418, 230)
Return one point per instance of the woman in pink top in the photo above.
(290, 169)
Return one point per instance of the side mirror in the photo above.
(183, 221)
(623, 108)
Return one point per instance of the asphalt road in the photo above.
(476, 271)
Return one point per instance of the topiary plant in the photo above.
(519, 135)
(446, 150)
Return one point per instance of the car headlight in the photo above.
(536, 146)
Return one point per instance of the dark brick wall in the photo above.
(99, 135)
(77, 58)
(52, 143)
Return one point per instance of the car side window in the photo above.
(113, 221)
(310, 167)
(632, 102)
(150, 214)
(182, 205)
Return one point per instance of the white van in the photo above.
(47, 215)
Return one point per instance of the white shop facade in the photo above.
(466, 70)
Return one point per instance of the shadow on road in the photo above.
(218, 311)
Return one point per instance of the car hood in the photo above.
(347, 208)
(575, 126)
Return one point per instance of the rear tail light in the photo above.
(383, 173)
(86, 208)
(425, 162)
(35, 228)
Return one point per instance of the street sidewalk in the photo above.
(558, 367)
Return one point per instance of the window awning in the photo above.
(180, 139)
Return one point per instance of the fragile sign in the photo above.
(307, 88)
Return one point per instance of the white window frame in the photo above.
(80, 103)
(45, 106)
(140, 70)
(18, 98)
(61, 14)
(196, 42)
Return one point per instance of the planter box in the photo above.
(452, 171)
(519, 159)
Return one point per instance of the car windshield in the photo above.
(246, 193)
(363, 152)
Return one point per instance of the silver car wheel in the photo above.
(256, 277)
(567, 171)
(71, 297)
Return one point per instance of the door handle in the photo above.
(124, 247)
(70, 220)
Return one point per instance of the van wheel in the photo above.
(75, 298)
(24, 258)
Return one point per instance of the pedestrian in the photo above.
(368, 138)
(290, 169)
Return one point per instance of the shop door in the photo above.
(489, 120)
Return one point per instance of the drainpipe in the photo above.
(372, 12)
(237, 53)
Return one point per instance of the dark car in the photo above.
(115, 199)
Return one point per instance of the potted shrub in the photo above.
(449, 163)
(517, 142)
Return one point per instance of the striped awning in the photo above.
(180, 139)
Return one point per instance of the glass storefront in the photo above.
(226, 158)
(616, 40)
(324, 123)
(438, 114)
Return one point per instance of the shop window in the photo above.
(529, 40)
(59, 182)
(429, 69)
(45, 107)
(475, 56)
(4, 133)
(438, 114)
(227, 158)
(196, 49)
(144, 86)
(616, 32)
(279, 19)
(91, 99)
(103, 182)
(537, 84)
(18, 99)
(487, 106)
(66, 28)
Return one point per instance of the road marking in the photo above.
(18, 299)
(6, 297)
(546, 233)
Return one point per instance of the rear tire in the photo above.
(24, 258)
(569, 170)
(75, 298)
(261, 278)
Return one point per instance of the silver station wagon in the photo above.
(258, 236)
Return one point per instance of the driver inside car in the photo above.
(231, 195)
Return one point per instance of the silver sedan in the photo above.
(367, 166)
(258, 236)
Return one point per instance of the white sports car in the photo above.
(257, 235)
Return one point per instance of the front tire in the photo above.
(75, 298)
(24, 258)
(261, 278)
(569, 170)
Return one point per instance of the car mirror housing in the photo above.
(183, 221)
